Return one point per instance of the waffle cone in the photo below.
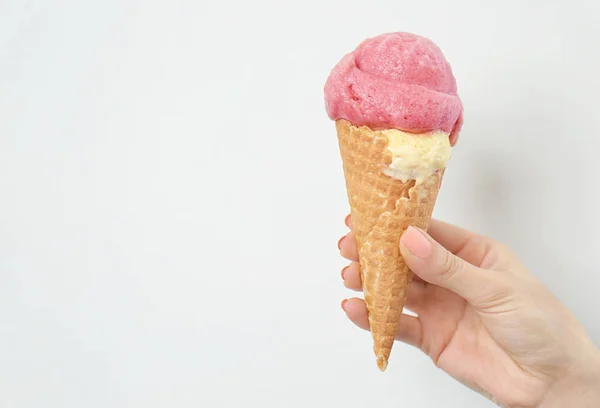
(382, 208)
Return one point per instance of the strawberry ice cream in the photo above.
(396, 81)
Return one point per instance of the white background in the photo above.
(172, 193)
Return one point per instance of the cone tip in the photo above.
(382, 363)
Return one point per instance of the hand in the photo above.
(486, 320)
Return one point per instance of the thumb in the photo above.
(435, 264)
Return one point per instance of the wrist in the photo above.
(579, 387)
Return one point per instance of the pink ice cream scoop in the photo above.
(395, 80)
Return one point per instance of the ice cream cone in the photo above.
(382, 207)
(398, 115)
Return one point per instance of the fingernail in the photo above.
(344, 304)
(344, 272)
(347, 220)
(414, 240)
(340, 242)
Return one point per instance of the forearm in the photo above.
(580, 389)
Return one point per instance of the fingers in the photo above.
(449, 236)
(351, 276)
(348, 221)
(471, 247)
(435, 264)
(347, 247)
(347, 244)
(409, 332)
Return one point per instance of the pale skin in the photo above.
(487, 321)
